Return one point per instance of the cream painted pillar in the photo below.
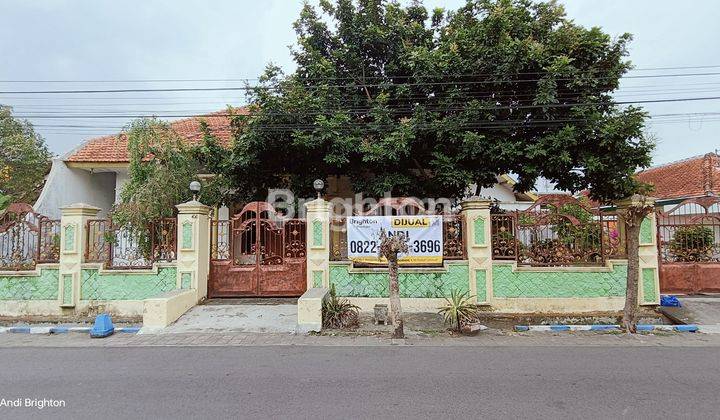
(318, 243)
(193, 243)
(649, 284)
(73, 245)
(479, 252)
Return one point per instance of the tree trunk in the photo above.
(632, 238)
(395, 309)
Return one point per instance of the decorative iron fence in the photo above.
(690, 232)
(27, 238)
(128, 248)
(557, 230)
(504, 245)
(614, 245)
(453, 238)
(338, 239)
(49, 246)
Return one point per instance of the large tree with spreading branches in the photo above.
(24, 160)
(426, 103)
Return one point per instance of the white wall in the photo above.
(121, 178)
(65, 186)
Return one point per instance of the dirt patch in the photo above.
(431, 324)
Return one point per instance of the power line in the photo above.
(492, 108)
(354, 85)
(247, 79)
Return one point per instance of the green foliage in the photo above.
(426, 104)
(161, 169)
(575, 226)
(692, 243)
(339, 312)
(5, 201)
(24, 160)
(459, 309)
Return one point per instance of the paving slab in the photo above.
(233, 318)
(701, 310)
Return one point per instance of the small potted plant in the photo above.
(461, 313)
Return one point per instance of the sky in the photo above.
(101, 44)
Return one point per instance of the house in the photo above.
(697, 176)
(688, 223)
(96, 171)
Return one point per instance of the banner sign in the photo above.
(424, 233)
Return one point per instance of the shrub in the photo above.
(339, 312)
(692, 243)
(459, 309)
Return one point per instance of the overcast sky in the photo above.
(125, 40)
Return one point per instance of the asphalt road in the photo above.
(364, 382)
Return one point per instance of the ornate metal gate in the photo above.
(689, 246)
(257, 253)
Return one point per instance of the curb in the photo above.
(60, 330)
(640, 327)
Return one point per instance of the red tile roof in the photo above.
(114, 148)
(692, 177)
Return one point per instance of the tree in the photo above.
(390, 247)
(25, 160)
(425, 104)
(638, 207)
(160, 171)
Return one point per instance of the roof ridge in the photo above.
(675, 162)
(110, 147)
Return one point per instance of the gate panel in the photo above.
(689, 246)
(266, 255)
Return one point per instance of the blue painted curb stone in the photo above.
(522, 328)
(686, 328)
(603, 327)
(560, 327)
(129, 330)
(103, 326)
(23, 330)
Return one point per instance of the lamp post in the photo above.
(195, 189)
(318, 184)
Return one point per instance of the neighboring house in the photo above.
(697, 176)
(96, 171)
(688, 223)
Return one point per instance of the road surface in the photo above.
(363, 382)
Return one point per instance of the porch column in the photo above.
(479, 252)
(193, 243)
(73, 246)
(649, 284)
(317, 230)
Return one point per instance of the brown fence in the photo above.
(557, 230)
(124, 248)
(27, 238)
(689, 246)
(453, 238)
